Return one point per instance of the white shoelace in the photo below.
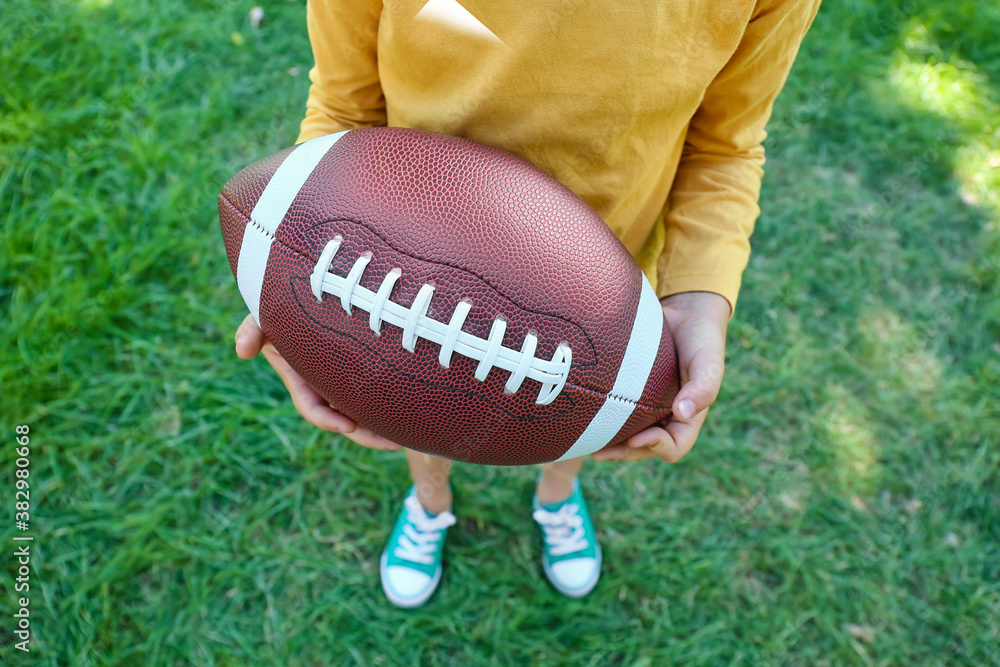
(421, 532)
(415, 324)
(563, 529)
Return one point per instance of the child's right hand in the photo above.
(250, 342)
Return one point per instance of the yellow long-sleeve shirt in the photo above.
(653, 113)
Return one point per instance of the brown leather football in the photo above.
(449, 296)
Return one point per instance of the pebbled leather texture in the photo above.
(478, 223)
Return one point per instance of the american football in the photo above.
(450, 296)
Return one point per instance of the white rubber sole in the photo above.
(406, 602)
(582, 590)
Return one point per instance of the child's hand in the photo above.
(698, 321)
(250, 341)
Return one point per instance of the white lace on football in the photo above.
(421, 532)
(415, 323)
(563, 529)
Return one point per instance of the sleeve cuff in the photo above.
(728, 289)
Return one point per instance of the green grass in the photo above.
(184, 514)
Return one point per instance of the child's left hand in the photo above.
(698, 321)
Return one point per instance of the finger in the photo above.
(635, 448)
(701, 388)
(622, 452)
(315, 409)
(310, 404)
(249, 338)
(652, 442)
(670, 444)
(367, 438)
(682, 436)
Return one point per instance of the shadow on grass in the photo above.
(840, 507)
(875, 340)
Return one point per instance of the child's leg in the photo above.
(557, 480)
(430, 476)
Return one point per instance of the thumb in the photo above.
(701, 387)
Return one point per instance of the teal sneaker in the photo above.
(411, 563)
(572, 556)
